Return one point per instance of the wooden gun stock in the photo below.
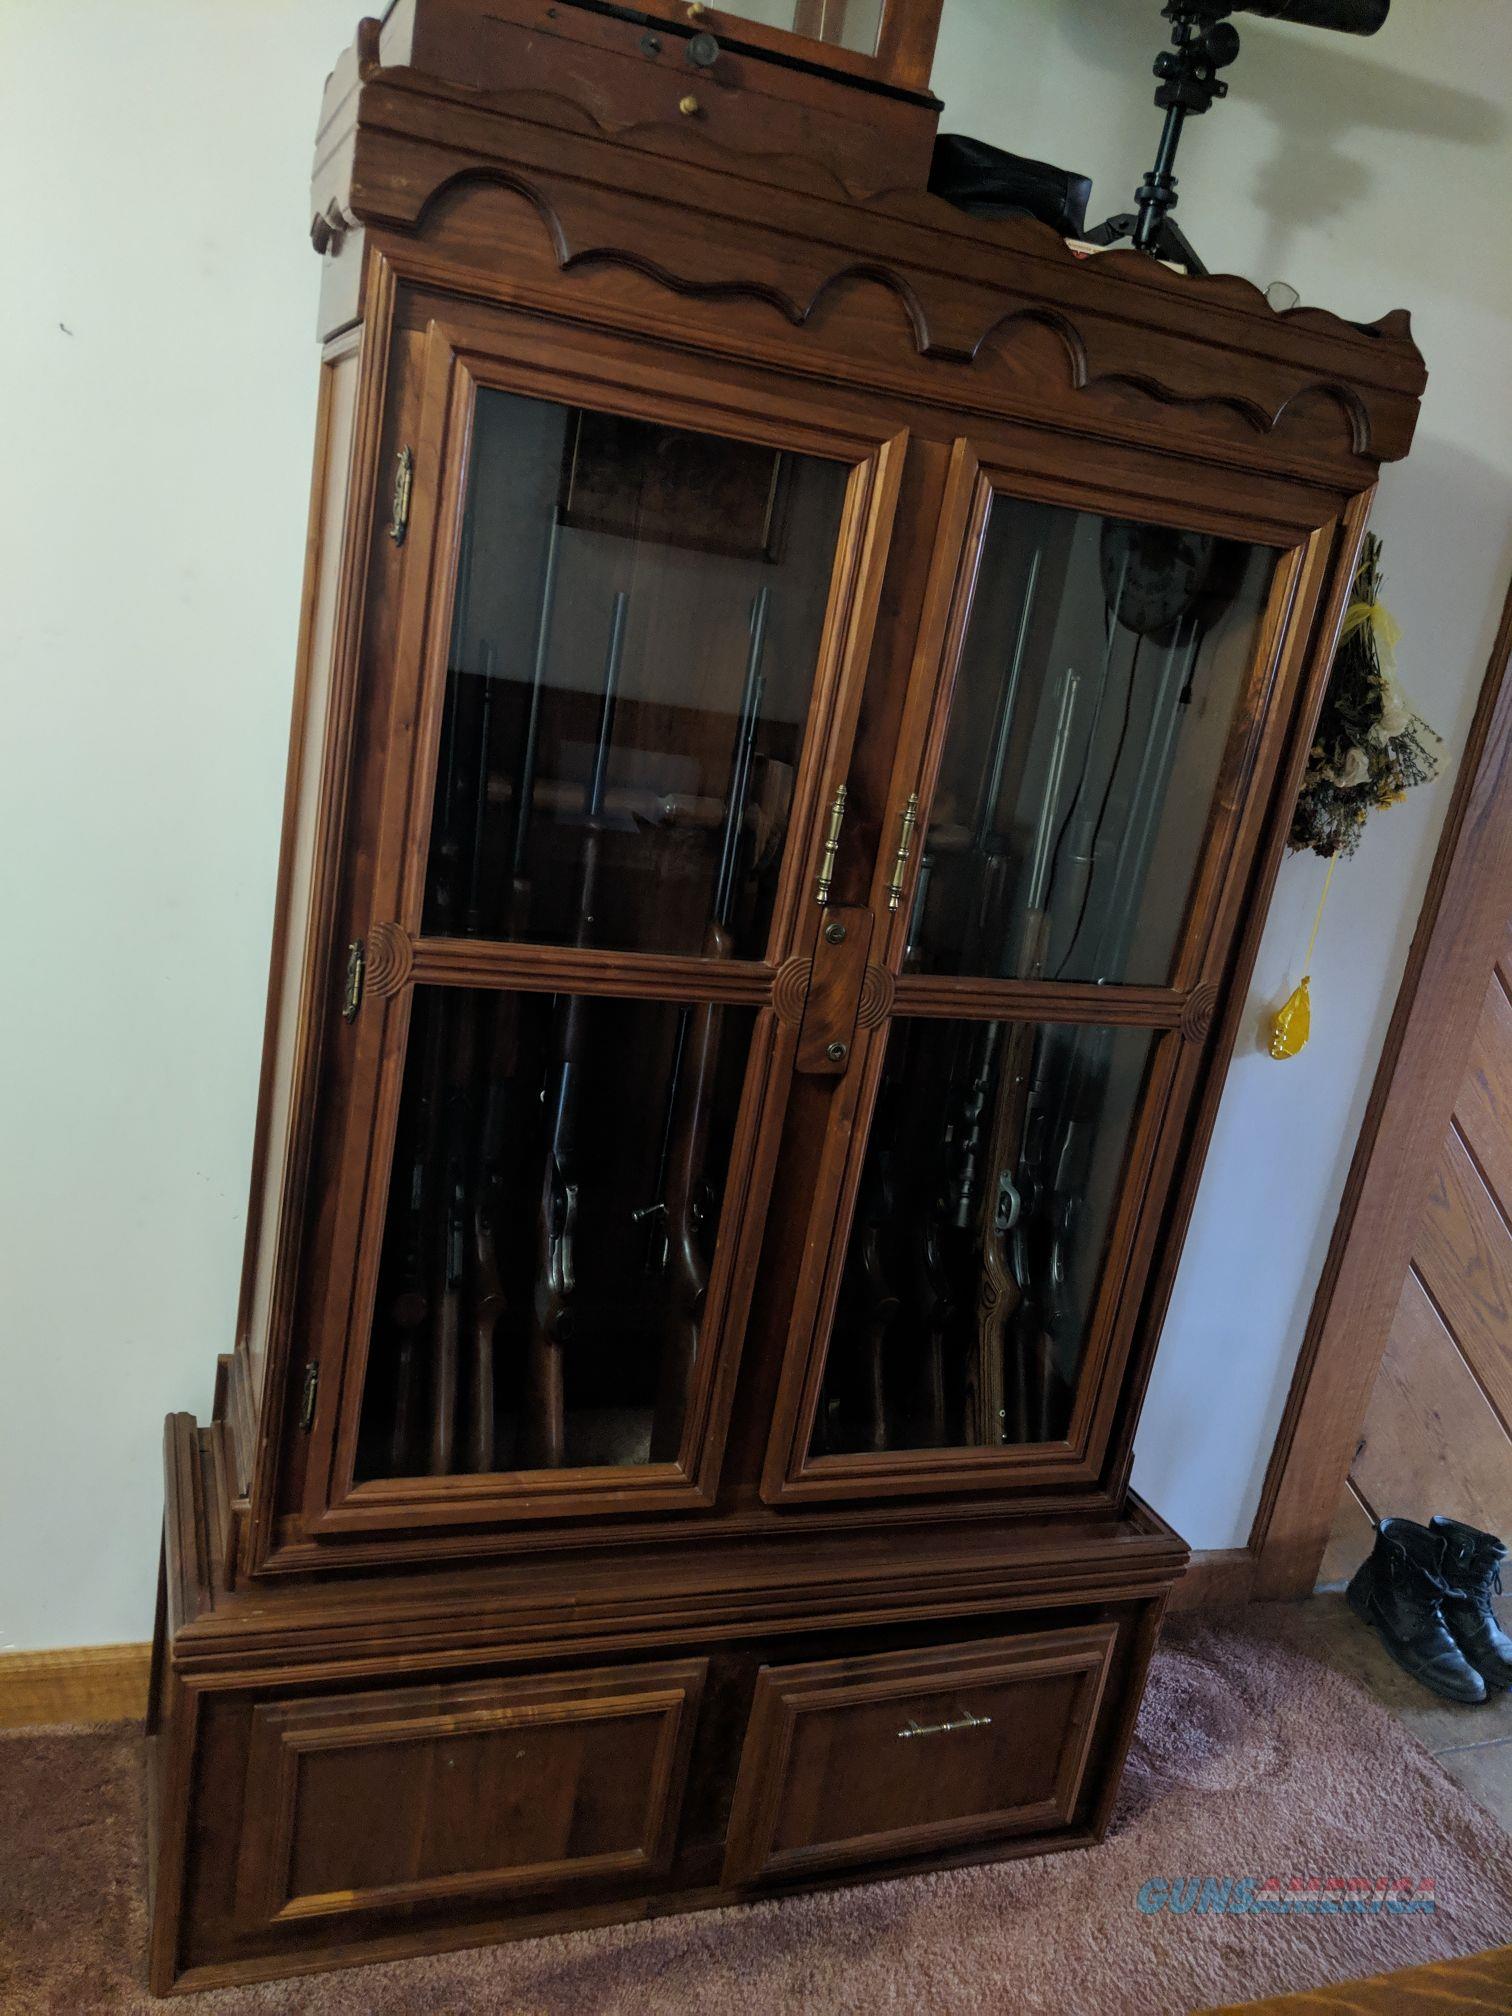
(687, 1268)
(556, 1229)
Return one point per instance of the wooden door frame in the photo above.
(1427, 1049)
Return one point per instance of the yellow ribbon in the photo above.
(1388, 632)
(1291, 1025)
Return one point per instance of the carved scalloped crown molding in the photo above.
(796, 238)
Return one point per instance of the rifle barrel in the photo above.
(474, 919)
(1039, 870)
(529, 756)
(1145, 805)
(610, 702)
(992, 783)
(740, 771)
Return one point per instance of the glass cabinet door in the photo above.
(997, 1155)
(555, 1201)
(844, 24)
(1088, 724)
(631, 718)
(1050, 918)
(637, 625)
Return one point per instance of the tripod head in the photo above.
(1204, 41)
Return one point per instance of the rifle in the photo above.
(685, 1139)
(411, 1303)
(489, 1300)
(951, 1213)
(1065, 1123)
(986, 840)
(996, 1202)
(461, 1011)
(556, 1222)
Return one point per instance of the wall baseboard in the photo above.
(1219, 1575)
(81, 1683)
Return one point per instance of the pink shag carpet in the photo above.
(1250, 1759)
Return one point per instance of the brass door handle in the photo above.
(965, 1721)
(831, 848)
(906, 824)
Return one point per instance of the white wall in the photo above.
(156, 330)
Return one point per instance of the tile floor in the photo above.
(1474, 1745)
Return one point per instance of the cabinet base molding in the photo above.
(363, 1768)
(77, 1683)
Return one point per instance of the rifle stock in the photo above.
(993, 1415)
(687, 1268)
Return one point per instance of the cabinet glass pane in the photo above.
(846, 24)
(978, 1243)
(637, 625)
(1097, 690)
(553, 1208)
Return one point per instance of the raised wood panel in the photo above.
(368, 1801)
(856, 1760)
(1483, 1110)
(1464, 1261)
(1432, 1441)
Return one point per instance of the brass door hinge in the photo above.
(356, 974)
(307, 1397)
(404, 484)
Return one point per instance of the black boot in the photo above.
(1472, 1563)
(1399, 1591)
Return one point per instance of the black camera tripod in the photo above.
(1204, 42)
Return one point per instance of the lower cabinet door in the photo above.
(867, 1760)
(369, 1801)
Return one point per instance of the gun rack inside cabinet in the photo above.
(800, 693)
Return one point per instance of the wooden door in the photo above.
(1438, 1431)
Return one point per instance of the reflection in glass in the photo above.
(1097, 690)
(844, 24)
(552, 1214)
(637, 624)
(977, 1247)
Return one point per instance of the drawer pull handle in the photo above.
(914, 1728)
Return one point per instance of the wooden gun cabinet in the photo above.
(799, 699)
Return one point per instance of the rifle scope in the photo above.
(1349, 17)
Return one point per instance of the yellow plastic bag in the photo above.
(1291, 1025)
